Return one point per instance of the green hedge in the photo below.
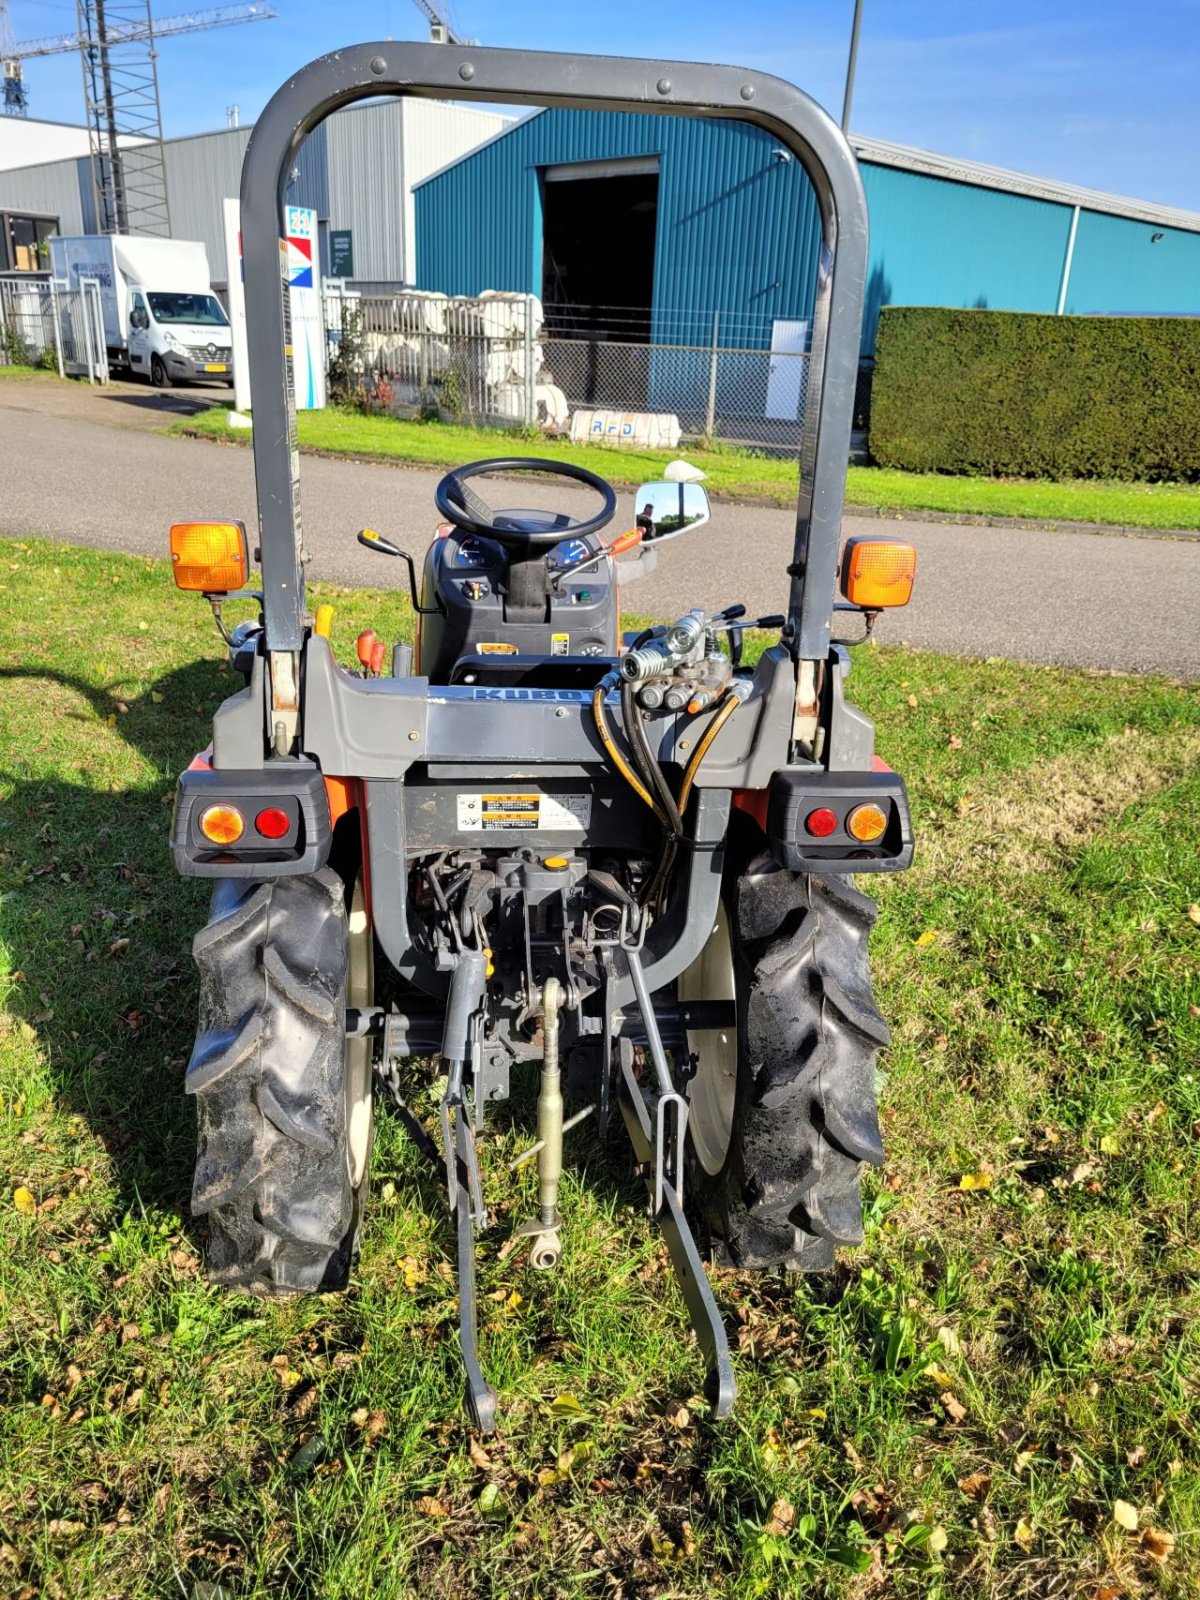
(1012, 393)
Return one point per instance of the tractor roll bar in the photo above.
(603, 83)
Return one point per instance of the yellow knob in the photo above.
(324, 620)
(555, 863)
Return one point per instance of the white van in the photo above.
(161, 318)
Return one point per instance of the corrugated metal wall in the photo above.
(200, 173)
(366, 186)
(1123, 265)
(935, 243)
(434, 136)
(736, 230)
(52, 189)
(736, 225)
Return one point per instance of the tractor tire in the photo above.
(783, 1113)
(283, 1144)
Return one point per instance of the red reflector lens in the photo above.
(821, 822)
(272, 823)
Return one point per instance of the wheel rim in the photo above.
(359, 991)
(712, 1093)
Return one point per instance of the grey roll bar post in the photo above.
(600, 83)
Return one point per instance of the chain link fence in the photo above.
(503, 360)
(44, 324)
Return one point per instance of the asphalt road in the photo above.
(86, 466)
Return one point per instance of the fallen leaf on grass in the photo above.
(1158, 1544)
(875, 1508)
(1135, 1457)
(955, 1410)
(1023, 1533)
(491, 1501)
(65, 1528)
(937, 1541)
(975, 1180)
(479, 1455)
(430, 1506)
(24, 1201)
(976, 1485)
(949, 1340)
(781, 1519)
(926, 938)
(565, 1405)
(913, 701)
(1194, 912)
(1125, 1515)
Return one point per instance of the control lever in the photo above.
(370, 540)
(730, 622)
(628, 540)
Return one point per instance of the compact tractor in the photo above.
(619, 866)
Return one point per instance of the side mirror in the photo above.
(666, 509)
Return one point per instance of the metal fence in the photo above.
(505, 359)
(45, 324)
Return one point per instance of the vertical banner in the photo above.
(308, 327)
(235, 294)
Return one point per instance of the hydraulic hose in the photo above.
(614, 754)
(650, 769)
(733, 699)
(734, 696)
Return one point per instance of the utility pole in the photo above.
(851, 64)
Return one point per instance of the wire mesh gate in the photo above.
(45, 324)
(503, 359)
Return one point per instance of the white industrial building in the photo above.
(357, 170)
(26, 141)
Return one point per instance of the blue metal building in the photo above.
(734, 228)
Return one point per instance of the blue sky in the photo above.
(1100, 93)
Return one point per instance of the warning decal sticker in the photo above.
(547, 813)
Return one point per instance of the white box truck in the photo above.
(161, 318)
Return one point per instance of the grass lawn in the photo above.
(740, 474)
(995, 1397)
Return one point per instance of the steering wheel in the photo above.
(516, 529)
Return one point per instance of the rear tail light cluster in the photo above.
(866, 823)
(839, 821)
(225, 825)
(258, 822)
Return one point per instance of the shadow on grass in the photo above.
(98, 927)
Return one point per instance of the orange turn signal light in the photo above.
(209, 557)
(878, 573)
(867, 823)
(222, 824)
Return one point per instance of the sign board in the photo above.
(308, 328)
(235, 296)
(341, 253)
